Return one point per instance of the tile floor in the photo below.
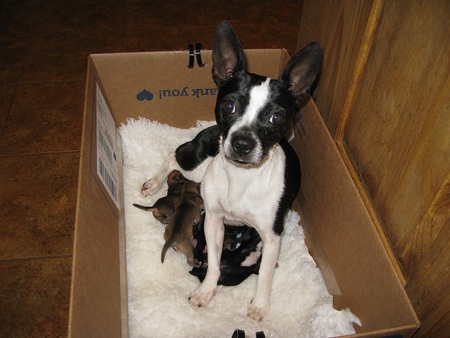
(43, 50)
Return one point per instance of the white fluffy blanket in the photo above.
(158, 293)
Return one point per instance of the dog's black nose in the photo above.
(243, 145)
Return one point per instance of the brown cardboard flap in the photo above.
(98, 293)
(346, 245)
(180, 95)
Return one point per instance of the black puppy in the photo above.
(241, 253)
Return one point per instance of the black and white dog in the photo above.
(248, 171)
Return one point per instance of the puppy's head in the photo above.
(175, 182)
(254, 112)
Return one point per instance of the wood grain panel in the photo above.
(339, 26)
(428, 289)
(385, 96)
(435, 221)
(397, 133)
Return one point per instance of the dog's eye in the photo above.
(228, 107)
(276, 118)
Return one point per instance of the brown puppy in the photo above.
(178, 232)
(164, 207)
(179, 210)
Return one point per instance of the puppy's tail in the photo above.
(166, 246)
(144, 207)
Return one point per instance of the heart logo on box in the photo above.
(144, 95)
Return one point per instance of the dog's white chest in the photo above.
(245, 195)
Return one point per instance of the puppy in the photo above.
(180, 210)
(249, 173)
(178, 233)
(241, 254)
(164, 207)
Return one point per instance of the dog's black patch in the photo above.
(292, 179)
(190, 154)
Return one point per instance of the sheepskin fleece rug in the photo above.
(158, 293)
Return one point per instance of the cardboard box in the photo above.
(160, 86)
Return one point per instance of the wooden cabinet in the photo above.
(384, 94)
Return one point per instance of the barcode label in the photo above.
(105, 146)
(108, 179)
(107, 166)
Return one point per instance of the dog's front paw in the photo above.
(149, 187)
(202, 297)
(257, 313)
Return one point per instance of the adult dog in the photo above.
(248, 171)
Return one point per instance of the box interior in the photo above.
(341, 236)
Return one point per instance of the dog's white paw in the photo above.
(149, 187)
(202, 297)
(257, 313)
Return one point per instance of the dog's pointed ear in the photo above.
(227, 55)
(302, 70)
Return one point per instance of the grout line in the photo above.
(23, 259)
(13, 96)
(49, 81)
(41, 153)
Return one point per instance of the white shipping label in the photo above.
(107, 166)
